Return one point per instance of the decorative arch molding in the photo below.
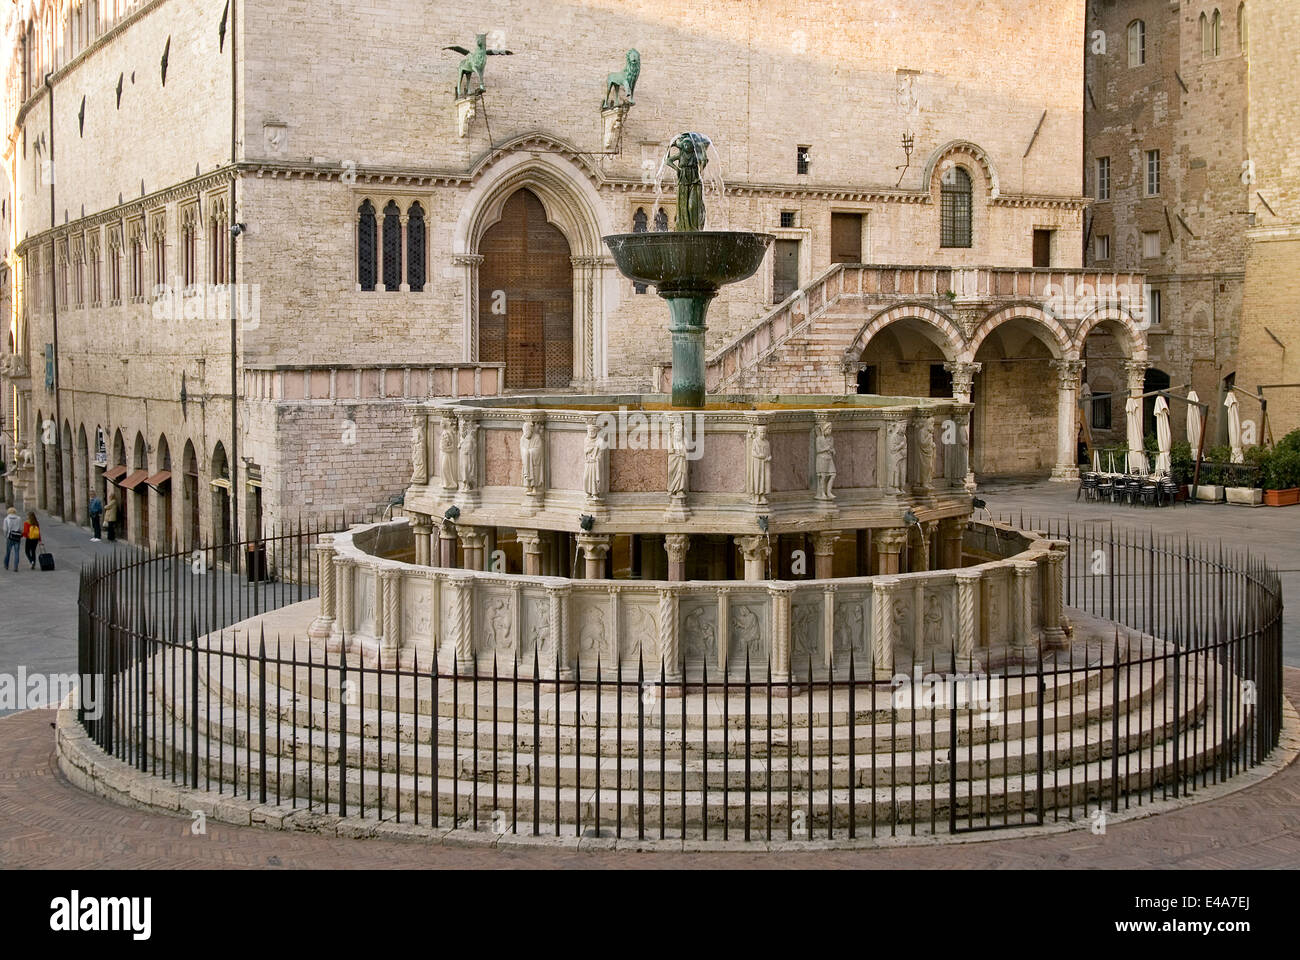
(530, 143)
(950, 338)
(1060, 342)
(964, 149)
(1135, 340)
(572, 205)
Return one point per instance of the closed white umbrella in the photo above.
(1133, 416)
(1164, 438)
(1193, 421)
(1234, 428)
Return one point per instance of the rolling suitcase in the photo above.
(44, 558)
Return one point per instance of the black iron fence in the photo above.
(1172, 681)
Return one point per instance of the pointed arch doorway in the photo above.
(525, 297)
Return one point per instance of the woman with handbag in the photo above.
(31, 537)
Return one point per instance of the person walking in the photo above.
(13, 534)
(31, 537)
(96, 516)
(110, 516)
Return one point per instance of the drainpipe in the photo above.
(234, 300)
(54, 315)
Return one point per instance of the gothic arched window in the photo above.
(366, 270)
(415, 247)
(392, 246)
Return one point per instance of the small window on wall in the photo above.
(1243, 30)
(1153, 308)
(1153, 173)
(1100, 414)
(1101, 247)
(801, 158)
(789, 219)
(1103, 178)
(1137, 43)
(1151, 244)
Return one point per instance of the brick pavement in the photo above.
(45, 822)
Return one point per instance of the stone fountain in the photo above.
(688, 265)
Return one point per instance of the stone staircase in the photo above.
(563, 755)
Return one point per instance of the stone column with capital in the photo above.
(595, 548)
(447, 544)
(952, 530)
(469, 264)
(889, 547)
(824, 553)
(473, 540)
(1025, 634)
(676, 545)
(882, 626)
(462, 585)
(963, 378)
(1052, 603)
(530, 541)
(755, 550)
(323, 625)
(1067, 423)
(669, 646)
(422, 528)
(780, 657)
(558, 622)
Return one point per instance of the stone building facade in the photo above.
(1187, 104)
(384, 246)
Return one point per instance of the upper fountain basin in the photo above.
(682, 263)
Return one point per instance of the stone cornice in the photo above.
(137, 207)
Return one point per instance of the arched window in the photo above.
(661, 220)
(640, 224)
(1137, 43)
(955, 209)
(392, 246)
(1210, 35)
(415, 247)
(366, 269)
(1215, 22)
(1243, 30)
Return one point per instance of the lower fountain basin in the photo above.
(682, 263)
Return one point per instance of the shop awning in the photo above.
(159, 478)
(114, 474)
(134, 480)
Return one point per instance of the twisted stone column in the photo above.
(1026, 632)
(463, 607)
(968, 583)
(558, 602)
(883, 634)
(669, 645)
(391, 640)
(1052, 602)
(323, 625)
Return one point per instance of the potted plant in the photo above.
(1180, 466)
(1282, 477)
(1242, 480)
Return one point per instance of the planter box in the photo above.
(1282, 498)
(1247, 496)
(1208, 493)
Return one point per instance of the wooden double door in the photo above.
(525, 297)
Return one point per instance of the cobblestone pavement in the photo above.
(45, 822)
